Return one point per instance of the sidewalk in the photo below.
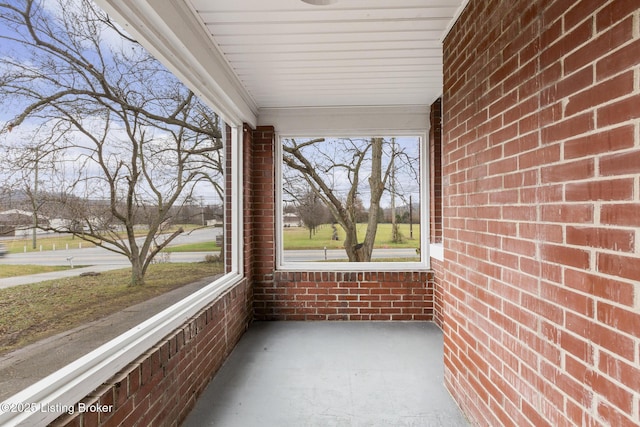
(35, 278)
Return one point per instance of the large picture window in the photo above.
(111, 167)
(349, 201)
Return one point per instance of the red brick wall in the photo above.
(313, 295)
(161, 387)
(345, 296)
(541, 166)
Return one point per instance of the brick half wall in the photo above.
(345, 296)
(161, 386)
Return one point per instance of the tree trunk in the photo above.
(137, 271)
(376, 184)
(351, 242)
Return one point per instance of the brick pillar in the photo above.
(262, 208)
(435, 168)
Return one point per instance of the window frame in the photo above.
(423, 264)
(75, 381)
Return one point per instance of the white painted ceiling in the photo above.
(287, 53)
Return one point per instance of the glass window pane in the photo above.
(351, 199)
(111, 167)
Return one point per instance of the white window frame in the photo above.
(423, 264)
(75, 381)
(209, 77)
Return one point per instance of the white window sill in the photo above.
(436, 250)
(353, 266)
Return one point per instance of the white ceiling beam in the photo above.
(347, 121)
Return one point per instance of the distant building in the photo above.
(19, 223)
(291, 220)
(15, 222)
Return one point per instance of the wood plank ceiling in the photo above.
(287, 53)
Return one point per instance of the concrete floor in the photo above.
(331, 374)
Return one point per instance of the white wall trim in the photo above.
(454, 19)
(436, 250)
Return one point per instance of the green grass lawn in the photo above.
(298, 237)
(32, 312)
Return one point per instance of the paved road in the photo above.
(94, 259)
(54, 257)
(99, 259)
(84, 263)
(87, 256)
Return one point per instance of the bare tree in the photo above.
(118, 129)
(312, 211)
(339, 172)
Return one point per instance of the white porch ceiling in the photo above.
(274, 58)
(287, 53)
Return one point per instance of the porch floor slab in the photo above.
(331, 374)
